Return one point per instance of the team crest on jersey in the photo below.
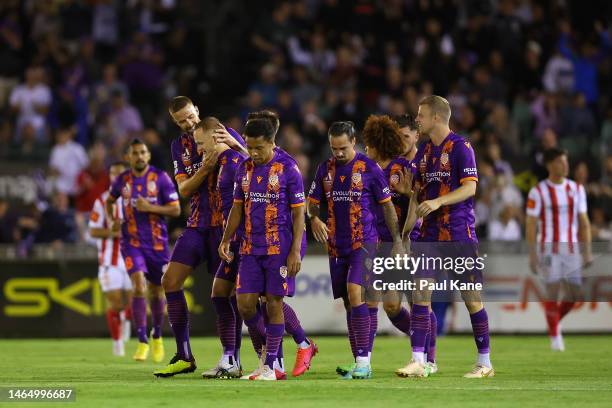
(245, 181)
(327, 183)
(273, 180)
(186, 157)
(356, 178)
(283, 271)
(152, 187)
(127, 191)
(444, 159)
(394, 179)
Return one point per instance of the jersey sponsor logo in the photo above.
(531, 203)
(129, 264)
(273, 180)
(283, 271)
(444, 158)
(299, 196)
(342, 178)
(470, 171)
(94, 216)
(312, 187)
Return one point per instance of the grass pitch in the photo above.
(527, 374)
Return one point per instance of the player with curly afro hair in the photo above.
(383, 139)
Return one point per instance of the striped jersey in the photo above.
(108, 248)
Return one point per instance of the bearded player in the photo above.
(148, 195)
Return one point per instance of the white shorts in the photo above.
(113, 278)
(559, 267)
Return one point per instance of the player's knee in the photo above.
(170, 283)
(247, 310)
(474, 306)
(392, 309)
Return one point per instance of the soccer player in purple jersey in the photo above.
(445, 184)
(196, 179)
(148, 195)
(385, 144)
(306, 348)
(269, 197)
(353, 186)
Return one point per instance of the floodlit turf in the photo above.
(527, 374)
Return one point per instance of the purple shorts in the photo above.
(229, 271)
(264, 274)
(152, 263)
(196, 245)
(351, 268)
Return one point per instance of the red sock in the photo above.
(565, 308)
(128, 313)
(114, 324)
(552, 317)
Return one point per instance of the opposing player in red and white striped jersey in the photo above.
(112, 274)
(557, 212)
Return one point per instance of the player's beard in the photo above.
(140, 166)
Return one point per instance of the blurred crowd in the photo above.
(79, 79)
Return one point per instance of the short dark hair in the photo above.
(340, 128)
(260, 128)
(552, 154)
(266, 114)
(178, 102)
(405, 120)
(208, 123)
(137, 141)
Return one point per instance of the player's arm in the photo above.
(294, 261)
(233, 221)
(171, 209)
(411, 218)
(96, 223)
(108, 207)
(530, 234)
(313, 208)
(222, 135)
(103, 233)
(189, 185)
(467, 190)
(584, 228)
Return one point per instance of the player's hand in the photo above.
(116, 225)
(587, 259)
(534, 264)
(404, 183)
(319, 230)
(142, 204)
(221, 135)
(294, 263)
(427, 207)
(224, 251)
(210, 161)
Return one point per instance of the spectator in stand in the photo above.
(93, 180)
(31, 101)
(57, 223)
(6, 223)
(124, 120)
(67, 160)
(601, 226)
(29, 148)
(505, 227)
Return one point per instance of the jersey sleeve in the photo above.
(116, 187)
(179, 168)
(582, 200)
(97, 215)
(534, 203)
(167, 190)
(238, 193)
(236, 135)
(316, 188)
(379, 185)
(466, 162)
(295, 186)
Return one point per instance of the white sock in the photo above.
(279, 364)
(304, 345)
(361, 361)
(418, 356)
(225, 359)
(484, 360)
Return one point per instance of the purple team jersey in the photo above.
(268, 192)
(352, 190)
(400, 201)
(205, 210)
(440, 170)
(142, 229)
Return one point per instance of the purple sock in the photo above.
(157, 306)
(373, 325)
(419, 326)
(351, 334)
(274, 336)
(178, 316)
(139, 312)
(431, 349)
(238, 336)
(480, 327)
(402, 321)
(360, 320)
(292, 324)
(257, 331)
(226, 324)
(266, 320)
